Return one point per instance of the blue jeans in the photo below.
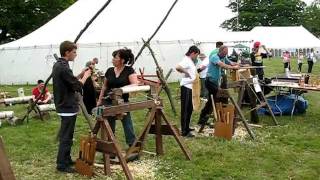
(126, 124)
(127, 127)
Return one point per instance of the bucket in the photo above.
(20, 92)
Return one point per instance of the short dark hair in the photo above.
(193, 49)
(125, 54)
(67, 46)
(40, 81)
(219, 44)
(95, 59)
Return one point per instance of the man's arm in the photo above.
(48, 97)
(227, 66)
(182, 70)
(74, 83)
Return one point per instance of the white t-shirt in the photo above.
(204, 63)
(311, 57)
(300, 58)
(189, 65)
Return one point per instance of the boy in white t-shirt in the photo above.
(188, 68)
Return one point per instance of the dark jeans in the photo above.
(259, 71)
(207, 110)
(310, 64)
(204, 91)
(65, 140)
(127, 127)
(126, 124)
(299, 67)
(287, 65)
(186, 109)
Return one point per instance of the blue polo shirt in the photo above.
(214, 52)
(214, 70)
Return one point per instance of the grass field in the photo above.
(288, 151)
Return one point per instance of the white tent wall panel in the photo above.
(168, 54)
(23, 66)
(27, 65)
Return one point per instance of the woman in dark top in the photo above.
(89, 91)
(118, 76)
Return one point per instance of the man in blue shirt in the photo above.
(213, 81)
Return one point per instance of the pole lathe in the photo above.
(108, 145)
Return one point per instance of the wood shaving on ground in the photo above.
(141, 169)
(240, 132)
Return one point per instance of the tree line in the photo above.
(251, 13)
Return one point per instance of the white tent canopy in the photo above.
(122, 23)
(294, 37)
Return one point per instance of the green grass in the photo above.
(288, 151)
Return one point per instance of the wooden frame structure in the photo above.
(108, 144)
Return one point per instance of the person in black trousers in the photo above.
(188, 68)
(311, 60)
(65, 86)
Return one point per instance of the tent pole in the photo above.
(162, 78)
(155, 32)
(91, 20)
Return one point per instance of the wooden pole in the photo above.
(162, 78)
(56, 57)
(91, 20)
(6, 172)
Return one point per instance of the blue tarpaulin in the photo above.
(283, 105)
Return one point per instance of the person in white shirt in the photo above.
(202, 69)
(311, 60)
(300, 61)
(188, 68)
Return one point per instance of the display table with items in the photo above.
(289, 92)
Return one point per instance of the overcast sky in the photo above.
(308, 1)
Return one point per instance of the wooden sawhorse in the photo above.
(108, 144)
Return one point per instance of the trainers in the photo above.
(66, 170)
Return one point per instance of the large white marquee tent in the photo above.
(122, 24)
(294, 37)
